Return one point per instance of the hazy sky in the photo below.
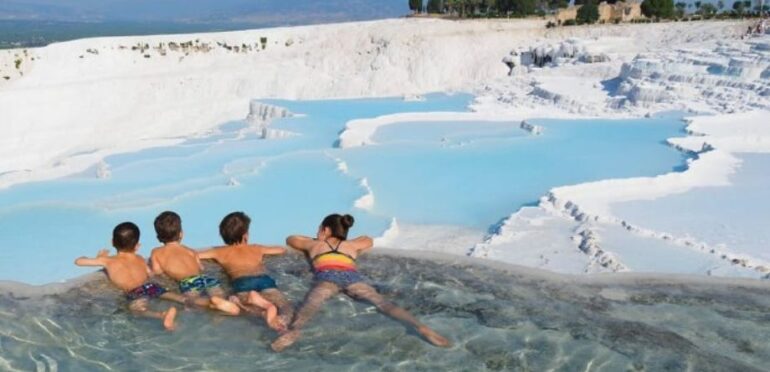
(257, 11)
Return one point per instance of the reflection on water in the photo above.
(503, 318)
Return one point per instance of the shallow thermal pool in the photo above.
(465, 174)
(498, 317)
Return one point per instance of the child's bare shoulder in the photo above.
(108, 259)
(130, 260)
(187, 248)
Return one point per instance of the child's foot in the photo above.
(225, 306)
(285, 340)
(274, 322)
(271, 312)
(169, 318)
(433, 337)
(242, 306)
(285, 321)
(234, 299)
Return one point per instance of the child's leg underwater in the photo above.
(257, 305)
(285, 308)
(139, 307)
(217, 301)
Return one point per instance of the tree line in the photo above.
(486, 8)
(654, 9)
(667, 9)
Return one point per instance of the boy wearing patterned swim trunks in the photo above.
(128, 271)
(255, 291)
(182, 264)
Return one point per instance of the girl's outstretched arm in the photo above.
(273, 250)
(362, 243)
(299, 242)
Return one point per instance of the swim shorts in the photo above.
(197, 283)
(147, 290)
(341, 278)
(257, 283)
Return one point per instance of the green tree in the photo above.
(454, 6)
(524, 7)
(708, 10)
(680, 7)
(435, 6)
(588, 13)
(658, 8)
(720, 5)
(473, 7)
(504, 6)
(557, 4)
(738, 8)
(489, 5)
(415, 6)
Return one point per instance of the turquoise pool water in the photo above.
(471, 174)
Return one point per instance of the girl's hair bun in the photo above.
(347, 221)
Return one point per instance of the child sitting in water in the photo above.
(129, 271)
(182, 264)
(255, 291)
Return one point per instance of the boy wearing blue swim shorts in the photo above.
(255, 291)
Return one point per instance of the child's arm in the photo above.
(299, 242)
(100, 260)
(155, 265)
(207, 254)
(273, 250)
(198, 260)
(362, 243)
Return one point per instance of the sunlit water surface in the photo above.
(503, 318)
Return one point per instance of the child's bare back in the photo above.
(175, 260)
(125, 270)
(243, 264)
(128, 271)
(242, 259)
(183, 265)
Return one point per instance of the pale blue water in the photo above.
(469, 174)
(498, 319)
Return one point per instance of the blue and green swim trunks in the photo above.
(197, 283)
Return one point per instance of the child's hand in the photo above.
(103, 253)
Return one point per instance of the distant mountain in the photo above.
(261, 12)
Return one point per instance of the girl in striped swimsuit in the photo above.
(333, 258)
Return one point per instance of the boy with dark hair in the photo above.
(182, 264)
(128, 271)
(255, 291)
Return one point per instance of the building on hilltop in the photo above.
(608, 13)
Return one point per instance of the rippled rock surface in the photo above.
(499, 318)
